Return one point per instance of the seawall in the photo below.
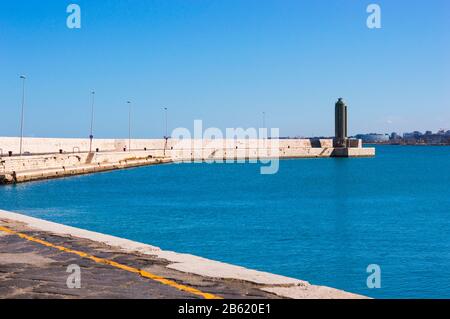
(35, 167)
(44, 158)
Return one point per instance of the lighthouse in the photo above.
(340, 123)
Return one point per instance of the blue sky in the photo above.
(224, 62)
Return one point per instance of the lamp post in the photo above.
(166, 136)
(129, 126)
(264, 124)
(91, 136)
(22, 113)
(264, 119)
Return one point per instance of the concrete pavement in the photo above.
(35, 256)
(32, 270)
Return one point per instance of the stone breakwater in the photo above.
(44, 158)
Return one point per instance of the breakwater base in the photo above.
(45, 158)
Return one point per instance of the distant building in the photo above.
(413, 135)
(429, 138)
(413, 138)
(373, 138)
(394, 136)
(437, 139)
(441, 137)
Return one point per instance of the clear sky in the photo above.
(225, 62)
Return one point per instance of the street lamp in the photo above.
(22, 113)
(91, 136)
(264, 124)
(129, 126)
(166, 136)
(264, 119)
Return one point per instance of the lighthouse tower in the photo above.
(340, 123)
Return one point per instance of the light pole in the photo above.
(129, 126)
(264, 124)
(22, 113)
(91, 136)
(166, 136)
(264, 119)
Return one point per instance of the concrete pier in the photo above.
(38, 167)
(35, 255)
(52, 158)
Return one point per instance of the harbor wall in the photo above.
(49, 158)
(33, 145)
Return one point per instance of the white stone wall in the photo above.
(53, 145)
(75, 151)
(77, 145)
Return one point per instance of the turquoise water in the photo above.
(321, 220)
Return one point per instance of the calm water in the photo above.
(321, 220)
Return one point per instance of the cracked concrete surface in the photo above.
(25, 258)
(32, 270)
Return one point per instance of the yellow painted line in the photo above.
(104, 261)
